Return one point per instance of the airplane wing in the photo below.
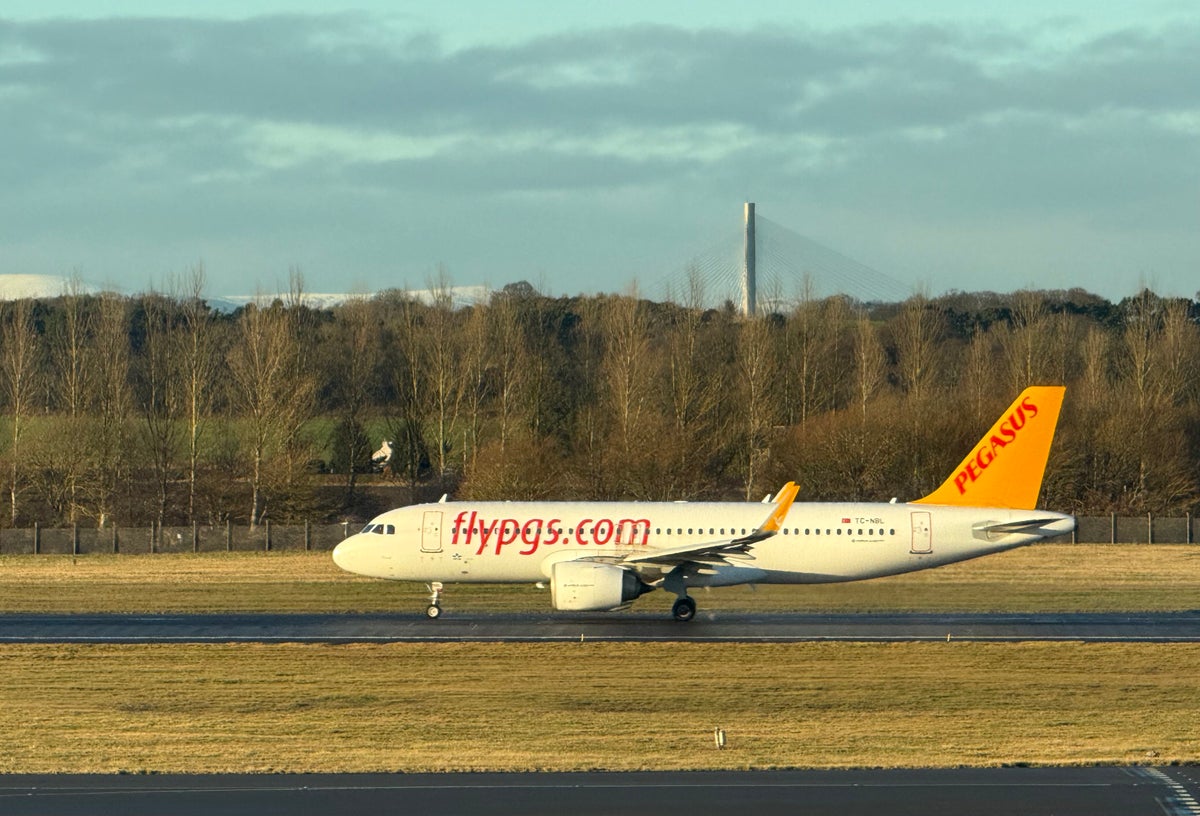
(723, 551)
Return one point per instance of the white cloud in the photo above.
(322, 140)
(284, 144)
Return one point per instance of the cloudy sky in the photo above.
(1041, 144)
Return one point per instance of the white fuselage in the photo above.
(509, 542)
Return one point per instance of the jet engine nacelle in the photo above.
(585, 585)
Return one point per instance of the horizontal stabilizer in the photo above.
(1053, 525)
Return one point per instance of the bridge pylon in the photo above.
(749, 286)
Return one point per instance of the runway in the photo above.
(1157, 627)
(1104, 791)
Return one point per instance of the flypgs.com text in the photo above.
(530, 534)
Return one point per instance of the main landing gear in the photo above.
(684, 609)
(434, 610)
(676, 581)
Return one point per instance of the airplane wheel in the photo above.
(433, 611)
(684, 609)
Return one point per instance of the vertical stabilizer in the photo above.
(1005, 468)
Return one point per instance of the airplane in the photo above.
(604, 555)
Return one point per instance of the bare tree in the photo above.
(72, 353)
(442, 342)
(869, 362)
(408, 411)
(19, 369)
(695, 378)
(1096, 368)
(1027, 343)
(274, 389)
(1140, 362)
(474, 379)
(1142, 369)
(813, 354)
(70, 345)
(918, 331)
(160, 393)
(980, 375)
(508, 344)
(627, 371)
(354, 337)
(199, 362)
(111, 404)
(758, 369)
(1178, 350)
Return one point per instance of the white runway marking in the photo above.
(1180, 802)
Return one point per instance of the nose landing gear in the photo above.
(434, 610)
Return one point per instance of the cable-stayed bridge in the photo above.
(766, 266)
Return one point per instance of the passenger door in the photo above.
(922, 534)
(431, 532)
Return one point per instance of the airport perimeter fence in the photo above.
(267, 537)
(198, 538)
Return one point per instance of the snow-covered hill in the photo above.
(16, 287)
(45, 287)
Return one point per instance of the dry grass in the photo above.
(1042, 578)
(205, 708)
(586, 706)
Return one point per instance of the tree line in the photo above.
(157, 408)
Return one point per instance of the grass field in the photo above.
(1042, 578)
(575, 706)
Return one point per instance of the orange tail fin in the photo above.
(1005, 469)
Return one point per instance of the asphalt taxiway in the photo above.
(1102, 791)
(1157, 627)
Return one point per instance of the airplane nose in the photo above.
(368, 555)
(348, 554)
